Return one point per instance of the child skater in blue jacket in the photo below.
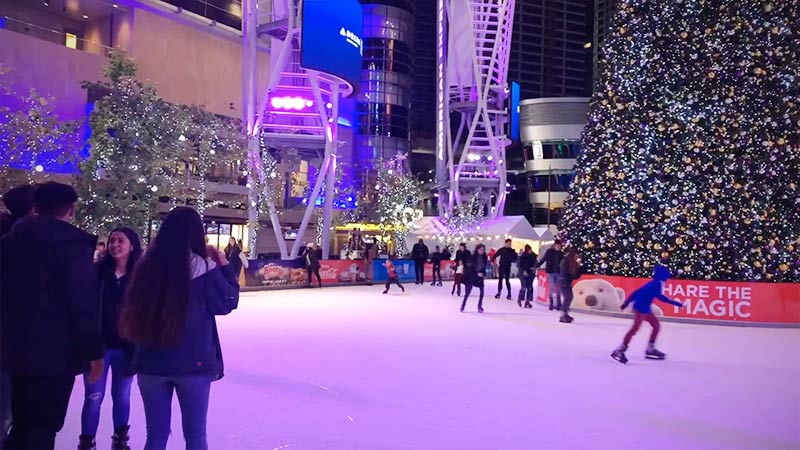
(642, 300)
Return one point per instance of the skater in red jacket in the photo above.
(642, 300)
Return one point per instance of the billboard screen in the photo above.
(332, 39)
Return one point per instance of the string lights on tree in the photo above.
(691, 155)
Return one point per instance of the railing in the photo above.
(55, 36)
(230, 16)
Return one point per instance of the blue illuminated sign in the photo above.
(332, 38)
(514, 111)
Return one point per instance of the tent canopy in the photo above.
(491, 232)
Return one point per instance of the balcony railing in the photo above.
(68, 40)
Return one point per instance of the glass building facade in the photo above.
(384, 102)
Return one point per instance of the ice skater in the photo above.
(506, 255)
(642, 300)
(436, 266)
(474, 274)
(393, 278)
(526, 275)
(457, 278)
(570, 270)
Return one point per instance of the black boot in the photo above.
(120, 439)
(86, 443)
(528, 304)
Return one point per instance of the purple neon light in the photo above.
(290, 103)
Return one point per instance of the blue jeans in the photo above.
(193, 391)
(553, 289)
(121, 381)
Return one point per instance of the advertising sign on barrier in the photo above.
(342, 271)
(707, 300)
(448, 270)
(275, 272)
(404, 267)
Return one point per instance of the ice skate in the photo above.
(402, 289)
(653, 353)
(550, 307)
(619, 355)
(462, 307)
(86, 443)
(433, 284)
(439, 284)
(386, 291)
(509, 297)
(566, 318)
(528, 304)
(497, 296)
(119, 441)
(519, 303)
(480, 309)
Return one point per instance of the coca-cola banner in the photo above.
(292, 273)
(344, 271)
(709, 300)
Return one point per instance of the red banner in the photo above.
(447, 269)
(710, 300)
(342, 271)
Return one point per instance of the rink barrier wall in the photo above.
(707, 302)
(277, 273)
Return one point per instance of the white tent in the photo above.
(491, 232)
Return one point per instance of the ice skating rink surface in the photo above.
(349, 368)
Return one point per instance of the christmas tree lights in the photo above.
(692, 149)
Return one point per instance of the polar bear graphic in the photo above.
(601, 295)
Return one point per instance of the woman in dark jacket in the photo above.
(474, 274)
(176, 290)
(527, 261)
(570, 270)
(232, 252)
(113, 272)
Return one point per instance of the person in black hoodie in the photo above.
(49, 314)
(311, 258)
(436, 263)
(507, 256)
(420, 253)
(113, 272)
(177, 289)
(552, 261)
(19, 203)
(232, 252)
(570, 270)
(474, 274)
(462, 254)
(527, 260)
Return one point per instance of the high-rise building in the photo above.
(603, 12)
(550, 48)
(385, 99)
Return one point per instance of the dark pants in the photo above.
(436, 271)
(314, 271)
(39, 406)
(5, 407)
(504, 274)
(419, 270)
(394, 280)
(638, 318)
(566, 293)
(526, 292)
(192, 391)
(457, 283)
(553, 290)
(467, 290)
(121, 381)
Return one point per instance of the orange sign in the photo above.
(709, 300)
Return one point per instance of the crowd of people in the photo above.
(70, 307)
(473, 268)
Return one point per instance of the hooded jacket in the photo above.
(643, 297)
(213, 291)
(49, 300)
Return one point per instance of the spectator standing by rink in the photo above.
(552, 265)
(570, 271)
(233, 253)
(50, 315)
(420, 253)
(19, 203)
(312, 258)
(527, 261)
(436, 266)
(176, 291)
(369, 258)
(113, 272)
(446, 256)
(474, 275)
(507, 256)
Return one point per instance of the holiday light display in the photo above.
(692, 149)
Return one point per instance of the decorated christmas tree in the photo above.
(691, 155)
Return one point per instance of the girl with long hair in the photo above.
(233, 251)
(176, 290)
(474, 274)
(113, 272)
(570, 270)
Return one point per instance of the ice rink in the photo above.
(349, 368)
